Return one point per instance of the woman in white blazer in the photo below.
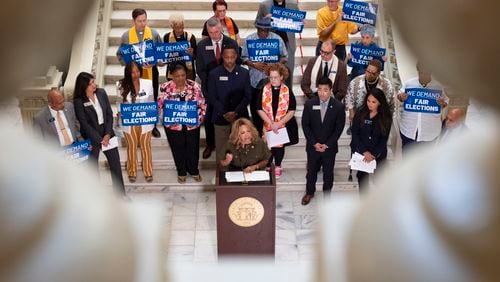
(133, 89)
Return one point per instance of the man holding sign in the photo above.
(261, 48)
(329, 24)
(141, 32)
(423, 100)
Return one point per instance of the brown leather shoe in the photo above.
(306, 199)
(207, 152)
(197, 178)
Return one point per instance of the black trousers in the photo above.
(113, 158)
(156, 82)
(209, 127)
(185, 146)
(364, 177)
(257, 121)
(315, 161)
(277, 154)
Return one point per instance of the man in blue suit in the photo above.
(323, 121)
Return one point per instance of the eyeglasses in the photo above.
(325, 52)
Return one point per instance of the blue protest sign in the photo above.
(169, 53)
(362, 55)
(180, 112)
(264, 50)
(360, 12)
(287, 20)
(139, 113)
(422, 100)
(78, 151)
(142, 52)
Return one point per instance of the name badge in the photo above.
(223, 78)
(87, 104)
(317, 107)
(209, 47)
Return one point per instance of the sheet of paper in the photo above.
(279, 138)
(234, 176)
(240, 176)
(357, 163)
(113, 143)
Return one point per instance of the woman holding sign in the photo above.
(276, 106)
(182, 106)
(133, 89)
(94, 113)
(370, 131)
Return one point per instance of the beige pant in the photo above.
(221, 138)
(134, 139)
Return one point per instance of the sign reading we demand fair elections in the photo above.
(362, 55)
(142, 53)
(139, 113)
(422, 100)
(287, 20)
(264, 50)
(169, 53)
(78, 151)
(360, 12)
(180, 112)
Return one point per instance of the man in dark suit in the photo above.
(229, 94)
(208, 57)
(323, 120)
(57, 121)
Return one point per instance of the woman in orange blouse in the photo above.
(184, 140)
(276, 106)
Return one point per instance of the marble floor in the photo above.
(190, 226)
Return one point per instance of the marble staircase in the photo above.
(195, 13)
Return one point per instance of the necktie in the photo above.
(325, 70)
(217, 52)
(67, 139)
(323, 110)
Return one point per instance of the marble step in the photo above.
(295, 157)
(233, 5)
(112, 94)
(165, 180)
(308, 37)
(194, 18)
(301, 58)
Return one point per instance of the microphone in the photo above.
(51, 119)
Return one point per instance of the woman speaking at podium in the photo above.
(244, 149)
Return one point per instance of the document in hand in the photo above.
(279, 138)
(240, 176)
(357, 163)
(113, 143)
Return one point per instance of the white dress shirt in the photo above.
(427, 125)
(59, 132)
(98, 110)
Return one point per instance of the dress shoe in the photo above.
(306, 199)
(156, 133)
(149, 178)
(197, 178)
(181, 179)
(207, 152)
(131, 179)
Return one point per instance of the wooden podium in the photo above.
(246, 216)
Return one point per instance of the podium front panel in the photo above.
(246, 218)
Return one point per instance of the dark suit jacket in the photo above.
(326, 132)
(339, 85)
(205, 58)
(44, 123)
(230, 94)
(87, 116)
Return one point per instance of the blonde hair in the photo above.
(175, 18)
(234, 137)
